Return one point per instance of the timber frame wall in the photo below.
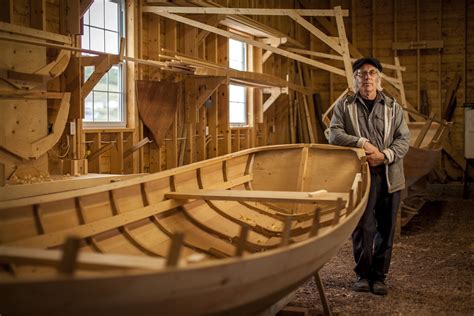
(430, 38)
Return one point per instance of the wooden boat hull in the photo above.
(270, 267)
(419, 161)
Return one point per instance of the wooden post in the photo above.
(174, 250)
(285, 238)
(316, 222)
(322, 294)
(244, 231)
(70, 252)
(337, 211)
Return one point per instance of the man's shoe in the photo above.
(379, 287)
(361, 285)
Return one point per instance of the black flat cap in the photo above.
(366, 60)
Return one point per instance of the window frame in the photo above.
(121, 92)
(246, 90)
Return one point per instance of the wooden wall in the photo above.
(373, 27)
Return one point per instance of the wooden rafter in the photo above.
(243, 39)
(337, 57)
(249, 11)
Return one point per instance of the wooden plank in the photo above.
(344, 48)
(84, 6)
(95, 154)
(255, 195)
(34, 33)
(449, 103)
(433, 44)
(316, 32)
(37, 14)
(6, 13)
(69, 17)
(337, 57)
(424, 130)
(246, 11)
(309, 124)
(246, 40)
(137, 146)
(19, 94)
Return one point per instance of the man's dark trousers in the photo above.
(372, 239)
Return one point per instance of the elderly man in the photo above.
(373, 121)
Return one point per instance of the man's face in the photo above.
(367, 77)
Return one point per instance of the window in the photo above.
(103, 28)
(237, 94)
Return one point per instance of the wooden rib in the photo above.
(82, 220)
(278, 214)
(259, 229)
(212, 252)
(85, 260)
(113, 222)
(126, 232)
(303, 166)
(37, 216)
(209, 252)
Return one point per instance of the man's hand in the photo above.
(369, 148)
(375, 159)
(374, 156)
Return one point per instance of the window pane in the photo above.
(237, 55)
(115, 114)
(102, 84)
(100, 106)
(237, 93)
(111, 16)
(88, 72)
(85, 38)
(114, 79)
(97, 13)
(237, 113)
(97, 39)
(89, 108)
(86, 17)
(111, 42)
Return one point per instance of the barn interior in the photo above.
(98, 92)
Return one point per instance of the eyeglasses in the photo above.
(363, 74)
